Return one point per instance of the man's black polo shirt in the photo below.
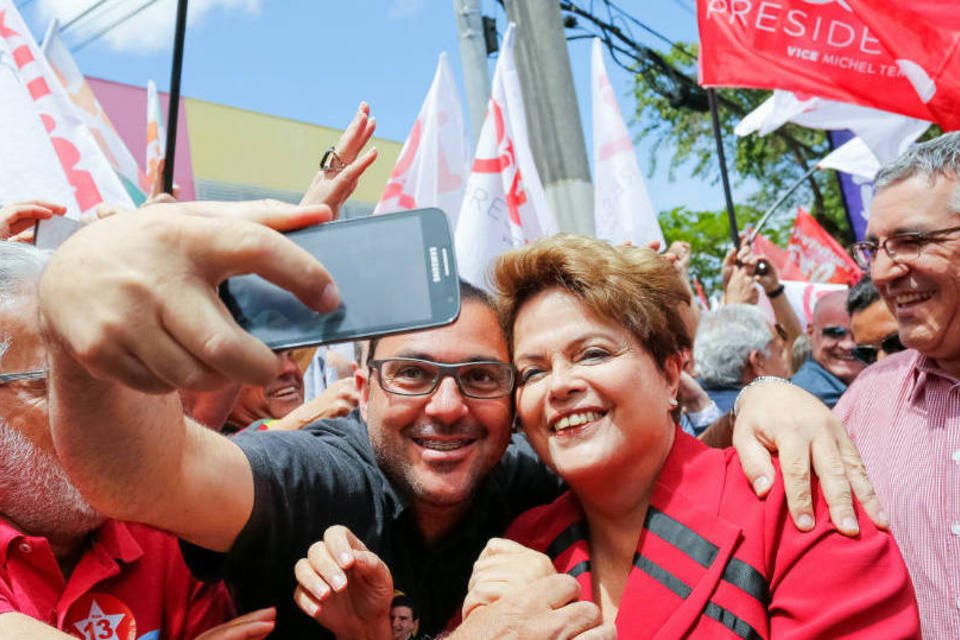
(326, 474)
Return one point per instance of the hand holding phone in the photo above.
(395, 273)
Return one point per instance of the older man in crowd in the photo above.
(64, 565)
(904, 412)
(832, 365)
(735, 345)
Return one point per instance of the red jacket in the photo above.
(714, 561)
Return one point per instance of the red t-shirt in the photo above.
(130, 584)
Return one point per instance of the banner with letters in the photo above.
(844, 50)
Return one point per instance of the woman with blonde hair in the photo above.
(662, 533)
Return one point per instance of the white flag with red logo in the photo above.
(96, 119)
(27, 170)
(503, 204)
(432, 168)
(892, 56)
(621, 205)
(156, 139)
(818, 255)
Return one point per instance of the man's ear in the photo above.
(754, 365)
(362, 377)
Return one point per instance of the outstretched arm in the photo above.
(152, 323)
(778, 416)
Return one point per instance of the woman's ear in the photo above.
(672, 368)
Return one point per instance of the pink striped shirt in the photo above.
(904, 415)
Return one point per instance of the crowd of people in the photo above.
(583, 453)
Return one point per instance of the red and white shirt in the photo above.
(130, 584)
(903, 413)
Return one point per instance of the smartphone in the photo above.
(51, 233)
(395, 272)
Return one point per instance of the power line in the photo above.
(82, 14)
(114, 24)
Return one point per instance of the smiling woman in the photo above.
(660, 531)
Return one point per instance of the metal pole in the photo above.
(173, 108)
(473, 59)
(776, 205)
(731, 215)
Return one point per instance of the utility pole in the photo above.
(553, 116)
(473, 59)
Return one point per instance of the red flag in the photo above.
(924, 38)
(779, 258)
(819, 257)
(828, 49)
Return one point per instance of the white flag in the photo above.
(78, 158)
(503, 204)
(621, 207)
(853, 157)
(886, 134)
(432, 168)
(156, 139)
(96, 119)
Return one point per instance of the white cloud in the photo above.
(404, 8)
(149, 30)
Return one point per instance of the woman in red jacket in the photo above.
(663, 533)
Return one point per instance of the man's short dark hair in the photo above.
(468, 292)
(403, 600)
(861, 295)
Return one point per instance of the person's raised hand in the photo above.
(147, 283)
(17, 218)
(504, 567)
(779, 416)
(549, 607)
(333, 187)
(255, 625)
(345, 587)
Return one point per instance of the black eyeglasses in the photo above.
(867, 353)
(835, 332)
(416, 377)
(899, 246)
(35, 374)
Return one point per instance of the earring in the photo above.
(673, 402)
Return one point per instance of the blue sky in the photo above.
(315, 60)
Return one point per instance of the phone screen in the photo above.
(394, 272)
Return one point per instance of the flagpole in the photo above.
(173, 107)
(731, 216)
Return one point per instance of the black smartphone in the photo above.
(395, 272)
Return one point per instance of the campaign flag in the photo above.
(779, 258)
(886, 134)
(156, 139)
(923, 36)
(825, 48)
(621, 205)
(503, 205)
(432, 168)
(78, 158)
(93, 115)
(818, 255)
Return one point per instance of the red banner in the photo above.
(818, 255)
(870, 52)
(779, 258)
